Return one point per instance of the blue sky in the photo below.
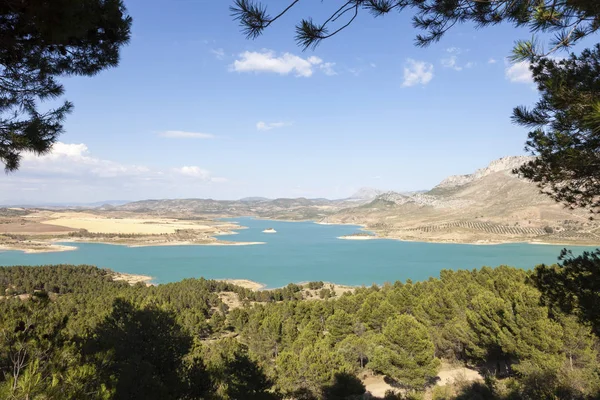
(197, 110)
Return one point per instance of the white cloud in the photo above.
(218, 53)
(186, 135)
(267, 126)
(193, 171)
(355, 71)
(373, 65)
(61, 151)
(74, 160)
(519, 72)
(454, 50)
(492, 61)
(417, 73)
(69, 172)
(327, 68)
(451, 62)
(285, 64)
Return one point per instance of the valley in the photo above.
(490, 206)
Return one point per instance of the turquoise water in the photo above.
(299, 251)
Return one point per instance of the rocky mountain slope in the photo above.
(282, 208)
(491, 205)
(504, 165)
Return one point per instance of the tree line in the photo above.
(82, 335)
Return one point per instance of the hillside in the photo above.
(490, 205)
(282, 208)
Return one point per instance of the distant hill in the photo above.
(30, 204)
(254, 199)
(282, 208)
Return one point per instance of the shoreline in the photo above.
(183, 243)
(133, 279)
(57, 248)
(358, 237)
(257, 286)
(482, 242)
(245, 283)
(52, 248)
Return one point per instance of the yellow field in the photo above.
(98, 224)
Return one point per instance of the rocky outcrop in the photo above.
(504, 164)
(421, 199)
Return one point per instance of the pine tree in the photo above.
(41, 41)
(405, 353)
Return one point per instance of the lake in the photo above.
(298, 252)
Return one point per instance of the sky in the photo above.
(196, 110)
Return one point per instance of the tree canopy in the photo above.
(72, 332)
(571, 20)
(41, 41)
(566, 129)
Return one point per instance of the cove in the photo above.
(298, 252)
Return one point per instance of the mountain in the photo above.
(489, 205)
(504, 165)
(365, 193)
(281, 208)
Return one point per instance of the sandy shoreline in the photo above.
(358, 237)
(256, 286)
(159, 244)
(482, 242)
(52, 248)
(245, 283)
(132, 279)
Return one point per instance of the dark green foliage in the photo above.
(405, 353)
(477, 391)
(139, 352)
(566, 129)
(235, 374)
(344, 387)
(85, 339)
(315, 285)
(246, 380)
(59, 279)
(41, 41)
(574, 286)
(290, 292)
